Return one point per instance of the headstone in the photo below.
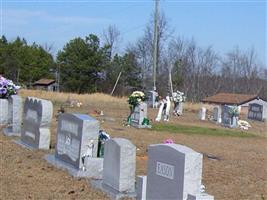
(141, 187)
(217, 114)
(3, 111)
(174, 172)
(152, 97)
(227, 119)
(119, 169)
(76, 146)
(255, 112)
(202, 113)
(138, 116)
(36, 123)
(14, 116)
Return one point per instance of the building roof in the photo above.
(229, 98)
(44, 81)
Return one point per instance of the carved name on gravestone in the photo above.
(255, 112)
(76, 147)
(15, 109)
(138, 116)
(3, 111)
(36, 123)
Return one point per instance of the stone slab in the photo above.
(112, 193)
(3, 112)
(141, 187)
(200, 196)
(8, 132)
(94, 169)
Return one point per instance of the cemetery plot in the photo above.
(77, 146)
(36, 123)
(14, 116)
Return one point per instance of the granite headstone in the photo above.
(76, 147)
(37, 116)
(138, 116)
(15, 109)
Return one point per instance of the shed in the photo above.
(45, 84)
(248, 104)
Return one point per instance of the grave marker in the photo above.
(3, 111)
(119, 169)
(76, 147)
(174, 172)
(36, 123)
(217, 114)
(14, 116)
(138, 116)
(202, 113)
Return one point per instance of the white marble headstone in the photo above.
(15, 110)
(3, 111)
(137, 117)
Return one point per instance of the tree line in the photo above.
(88, 65)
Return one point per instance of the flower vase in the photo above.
(3, 111)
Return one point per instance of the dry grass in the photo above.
(240, 172)
(86, 99)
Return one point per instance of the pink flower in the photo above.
(168, 141)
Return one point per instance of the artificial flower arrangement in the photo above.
(135, 99)
(7, 88)
(178, 96)
(234, 111)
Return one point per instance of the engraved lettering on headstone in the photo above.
(69, 127)
(165, 170)
(29, 134)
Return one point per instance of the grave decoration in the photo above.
(15, 109)
(164, 109)
(174, 172)
(178, 99)
(77, 146)
(103, 137)
(37, 116)
(119, 169)
(230, 116)
(7, 88)
(138, 110)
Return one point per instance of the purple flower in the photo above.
(168, 141)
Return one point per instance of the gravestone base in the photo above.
(135, 125)
(200, 196)
(24, 145)
(94, 167)
(9, 132)
(111, 192)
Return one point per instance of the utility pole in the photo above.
(155, 44)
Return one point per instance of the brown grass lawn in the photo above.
(239, 174)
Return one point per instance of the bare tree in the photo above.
(112, 37)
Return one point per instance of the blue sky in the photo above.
(223, 24)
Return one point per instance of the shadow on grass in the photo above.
(194, 130)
